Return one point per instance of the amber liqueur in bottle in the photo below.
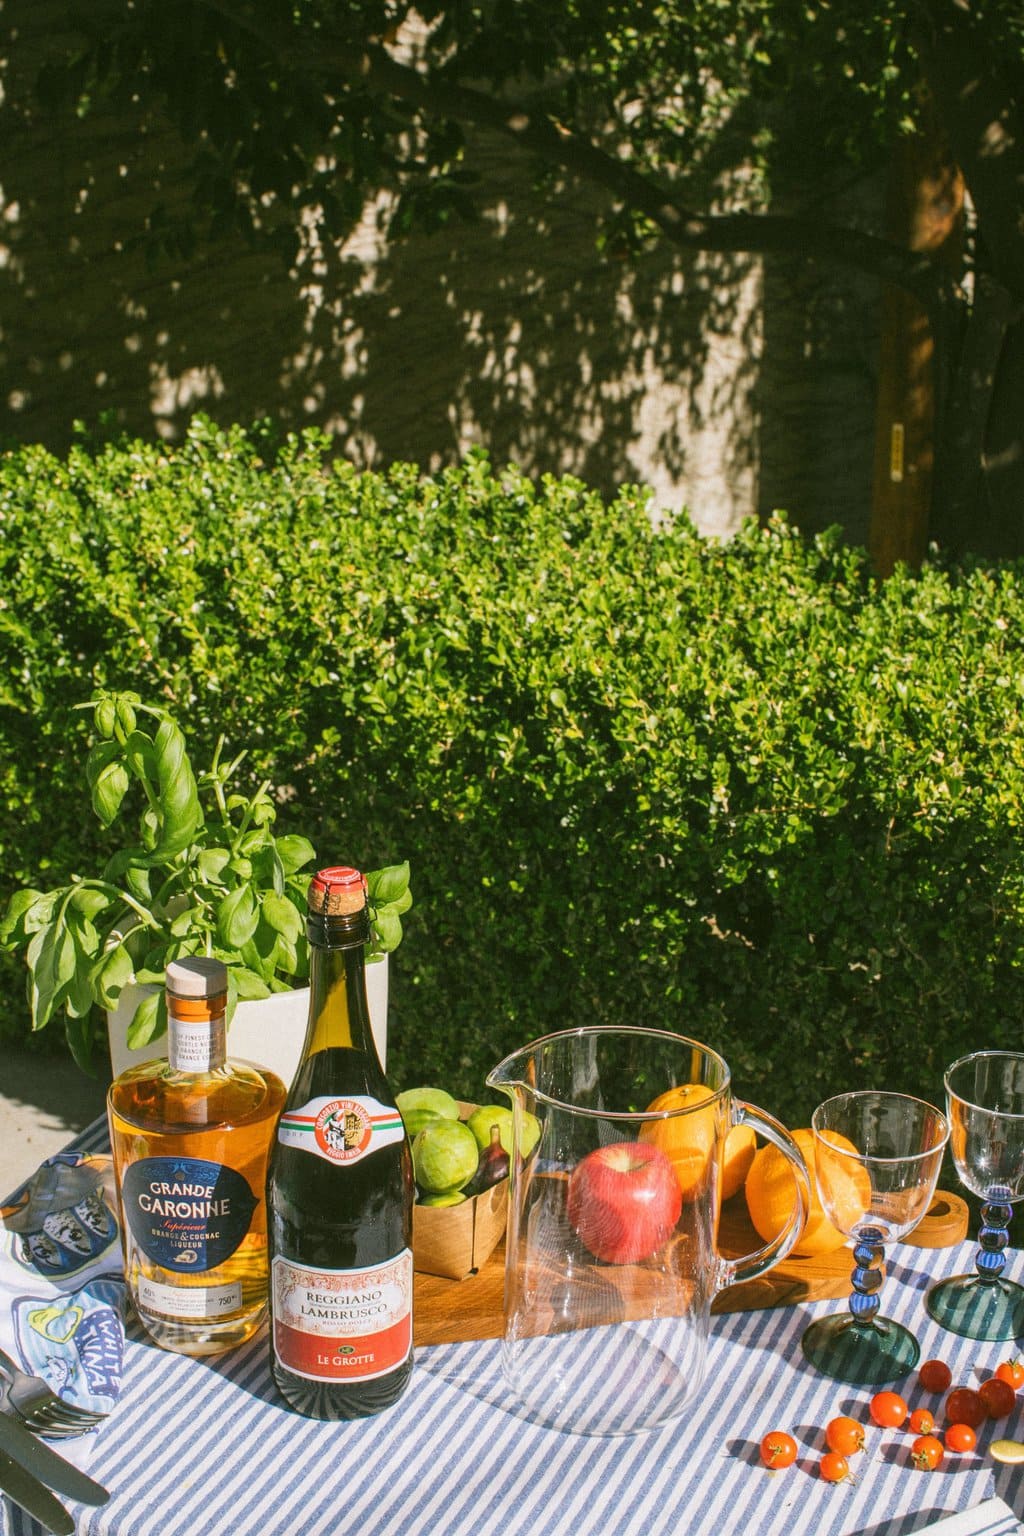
(191, 1136)
(340, 1189)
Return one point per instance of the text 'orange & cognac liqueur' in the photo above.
(191, 1135)
(340, 1189)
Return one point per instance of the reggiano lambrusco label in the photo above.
(337, 1325)
(342, 1130)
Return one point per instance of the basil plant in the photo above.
(204, 873)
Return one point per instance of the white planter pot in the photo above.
(266, 1030)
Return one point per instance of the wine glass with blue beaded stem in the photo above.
(985, 1102)
(877, 1157)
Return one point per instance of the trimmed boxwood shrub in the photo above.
(743, 791)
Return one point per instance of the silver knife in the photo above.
(34, 1499)
(43, 1462)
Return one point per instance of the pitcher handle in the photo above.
(733, 1271)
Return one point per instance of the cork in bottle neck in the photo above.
(337, 912)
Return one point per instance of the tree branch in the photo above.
(985, 127)
(538, 134)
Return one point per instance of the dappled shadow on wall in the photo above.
(514, 333)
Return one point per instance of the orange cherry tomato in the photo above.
(936, 1376)
(999, 1397)
(834, 1468)
(965, 1406)
(1012, 1372)
(844, 1435)
(960, 1438)
(926, 1452)
(888, 1409)
(778, 1449)
(922, 1422)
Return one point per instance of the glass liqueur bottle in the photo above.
(191, 1136)
(340, 1189)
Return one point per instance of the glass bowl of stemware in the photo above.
(985, 1103)
(877, 1157)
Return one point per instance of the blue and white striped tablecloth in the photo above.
(205, 1448)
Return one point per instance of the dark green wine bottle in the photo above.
(340, 1189)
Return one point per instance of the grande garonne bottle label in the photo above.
(186, 1213)
(342, 1324)
(342, 1130)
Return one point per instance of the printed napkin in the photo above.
(63, 1299)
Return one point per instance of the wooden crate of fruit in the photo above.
(455, 1231)
(457, 1240)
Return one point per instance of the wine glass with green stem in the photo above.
(985, 1103)
(877, 1157)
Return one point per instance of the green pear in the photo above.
(481, 1120)
(453, 1197)
(444, 1156)
(416, 1119)
(434, 1099)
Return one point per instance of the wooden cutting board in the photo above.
(451, 1311)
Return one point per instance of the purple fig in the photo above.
(492, 1167)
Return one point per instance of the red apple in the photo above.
(623, 1201)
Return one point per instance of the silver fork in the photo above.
(39, 1405)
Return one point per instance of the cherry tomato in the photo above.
(834, 1468)
(888, 1409)
(965, 1406)
(998, 1396)
(922, 1422)
(844, 1435)
(778, 1449)
(935, 1376)
(1012, 1372)
(926, 1452)
(960, 1438)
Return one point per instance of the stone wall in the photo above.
(729, 385)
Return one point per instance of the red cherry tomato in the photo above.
(965, 1406)
(926, 1452)
(935, 1376)
(998, 1396)
(1012, 1372)
(960, 1438)
(844, 1435)
(778, 1449)
(922, 1422)
(834, 1468)
(888, 1409)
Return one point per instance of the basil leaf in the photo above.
(387, 885)
(212, 863)
(79, 1035)
(27, 912)
(294, 852)
(140, 755)
(237, 916)
(149, 1020)
(181, 815)
(113, 973)
(87, 900)
(282, 916)
(51, 962)
(388, 926)
(108, 791)
(247, 982)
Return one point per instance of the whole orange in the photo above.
(771, 1194)
(740, 1149)
(687, 1140)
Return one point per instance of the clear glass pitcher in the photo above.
(611, 1256)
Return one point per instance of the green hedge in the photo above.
(743, 791)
